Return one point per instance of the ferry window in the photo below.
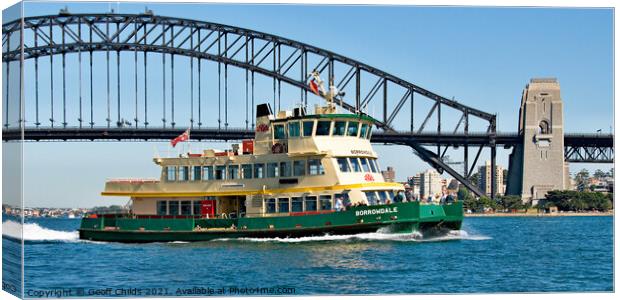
(343, 164)
(322, 127)
(369, 134)
(297, 204)
(326, 202)
(247, 171)
(383, 196)
(293, 129)
(283, 205)
(315, 167)
(363, 130)
(365, 164)
(197, 174)
(278, 131)
(207, 173)
(391, 194)
(355, 164)
(371, 197)
(308, 128)
(377, 165)
(272, 170)
(162, 208)
(373, 166)
(186, 208)
(299, 168)
(352, 128)
(197, 207)
(173, 208)
(220, 172)
(285, 169)
(321, 169)
(171, 173)
(259, 170)
(270, 205)
(344, 197)
(183, 173)
(339, 127)
(233, 172)
(310, 203)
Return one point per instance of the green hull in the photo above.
(397, 218)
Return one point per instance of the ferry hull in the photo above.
(396, 218)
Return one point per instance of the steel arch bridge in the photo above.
(64, 36)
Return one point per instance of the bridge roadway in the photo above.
(237, 134)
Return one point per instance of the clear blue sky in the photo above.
(481, 56)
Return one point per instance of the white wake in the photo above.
(34, 232)
(374, 236)
(457, 235)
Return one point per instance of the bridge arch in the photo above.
(249, 50)
(136, 29)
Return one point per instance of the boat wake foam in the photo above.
(374, 236)
(33, 232)
(456, 235)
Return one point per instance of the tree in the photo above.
(598, 174)
(597, 201)
(462, 194)
(578, 201)
(582, 177)
(475, 178)
(610, 200)
(486, 202)
(510, 202)
(470, 203)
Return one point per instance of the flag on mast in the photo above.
(314, 87)
(181, 138)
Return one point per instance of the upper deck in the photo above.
(292, 152)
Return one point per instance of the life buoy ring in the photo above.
(277, 148)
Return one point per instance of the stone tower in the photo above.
(537, 165)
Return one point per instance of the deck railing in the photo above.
(133, 180)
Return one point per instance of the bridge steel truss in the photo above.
(589, 148)
(281, 59)
(578, 148)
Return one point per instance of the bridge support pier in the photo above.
(537, 164)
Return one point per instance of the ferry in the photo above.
(302, 175)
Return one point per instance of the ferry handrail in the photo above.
(132, 180)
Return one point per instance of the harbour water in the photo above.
(505, 254)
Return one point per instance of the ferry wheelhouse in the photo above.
(303, 174)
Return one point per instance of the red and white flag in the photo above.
(314, 87)
(181, 138)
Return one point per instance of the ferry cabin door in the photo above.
(241, 207)
(231, 206)
(207, 207)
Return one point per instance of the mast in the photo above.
(328, 96)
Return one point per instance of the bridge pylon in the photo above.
(537, 165)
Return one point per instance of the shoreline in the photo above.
(559, 214)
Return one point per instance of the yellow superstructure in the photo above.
(296, 164)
